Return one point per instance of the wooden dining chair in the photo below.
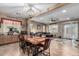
(24, 45)
(43, 47)
(22, 42)
(46, 46)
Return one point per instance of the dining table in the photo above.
(34, 42)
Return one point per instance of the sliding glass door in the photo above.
(71, 30)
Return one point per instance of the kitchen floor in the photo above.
(58, 47)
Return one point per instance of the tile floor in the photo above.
(58, 47)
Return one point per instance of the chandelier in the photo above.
(31, 10)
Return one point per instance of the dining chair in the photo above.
(43, 47)
(27, 45)
(22, 43)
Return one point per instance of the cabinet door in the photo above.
(1, 39)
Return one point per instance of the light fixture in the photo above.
(64, 11)
(68, 18)
(30, 9)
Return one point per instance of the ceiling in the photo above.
(41, 12)
(66, 12)
(24, 10)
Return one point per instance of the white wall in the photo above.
(32, 26)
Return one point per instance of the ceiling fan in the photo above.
(53, 19)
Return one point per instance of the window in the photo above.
(53, 29)
(10, 23)
(43, 28)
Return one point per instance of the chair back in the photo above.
(21, 37)
(47, 44)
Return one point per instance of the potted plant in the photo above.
(12, 30)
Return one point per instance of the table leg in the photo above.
(34, 50)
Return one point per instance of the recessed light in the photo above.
(67, 18)
(64, 11)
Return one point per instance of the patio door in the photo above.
(71, 31)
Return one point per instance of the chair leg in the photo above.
(23, 50)
(27, 52)
(33, 51)
(49, 51)
(46, 53)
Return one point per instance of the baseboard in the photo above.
(69, 39)
(8, 43)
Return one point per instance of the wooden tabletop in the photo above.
(34, 40)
